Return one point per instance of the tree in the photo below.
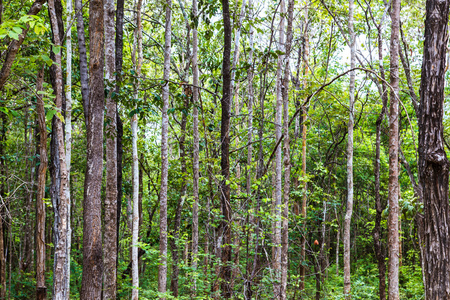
(110, 233)
(393, 222)
(91, 285)
(162, 268)
(433, 164)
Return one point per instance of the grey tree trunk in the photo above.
(393, 192)
(433, 163)
(349, 211)
(61, 258)
(91, 284)
(110, 230)
(162, 268)
(276, 264)
(286, 155)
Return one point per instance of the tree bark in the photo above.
(276, 264)
(61, 260)
(393, 189)
(84, 77)
(225, 154)
(134, 130)
(41, 289)
(196, 150)
(91, 285)
(433, 163)
(110, 231)
(162, 268)
(348, 214)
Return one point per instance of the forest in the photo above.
(232, 149)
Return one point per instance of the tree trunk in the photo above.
(162, 268)
(348, 214)
(41, 289)
(286, 155)
(393, 236)
(84, 77)
(433, 163)
(68, 133)
(276, 264)
(225, 154)
(196, 150)
(134, 130)
(91, 285)
(110, 231)
(61, 259)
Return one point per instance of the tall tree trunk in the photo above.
(162, 268)
(41, 289)
(196, 150)
(91, 285)
(225, 153)
(276, 264)
(68, 131)
(118, 70)
(380, 249)
(134, 130)
(304, 132)
(110, 231)
(348, 214)
(3, 191)
(84, 77)
(61, 260)
(433, 163)
(286, 154)
(393, 222)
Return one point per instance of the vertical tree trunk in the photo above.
(41, 289)
(162, 268)
(61, 260)
(348, 214)
(68, 130)
(304, 129)
(380, 250)
(393, 236)
(91, 285)
(433, 163)
(196, 150)
(278, 167)
(134, 130)
(225, 153)
(3, 191)
(286, 155)
(110, 231)
(84, 77)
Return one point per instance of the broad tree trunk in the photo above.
(225, 272)
(91, 285)
(433, 163)
(162, 268)
(276, 264)
(393, 189)
(61, 258)
(348, 214)
(196, 150)
(41, 289)
(110, 231)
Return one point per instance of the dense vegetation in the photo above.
(236, 149)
